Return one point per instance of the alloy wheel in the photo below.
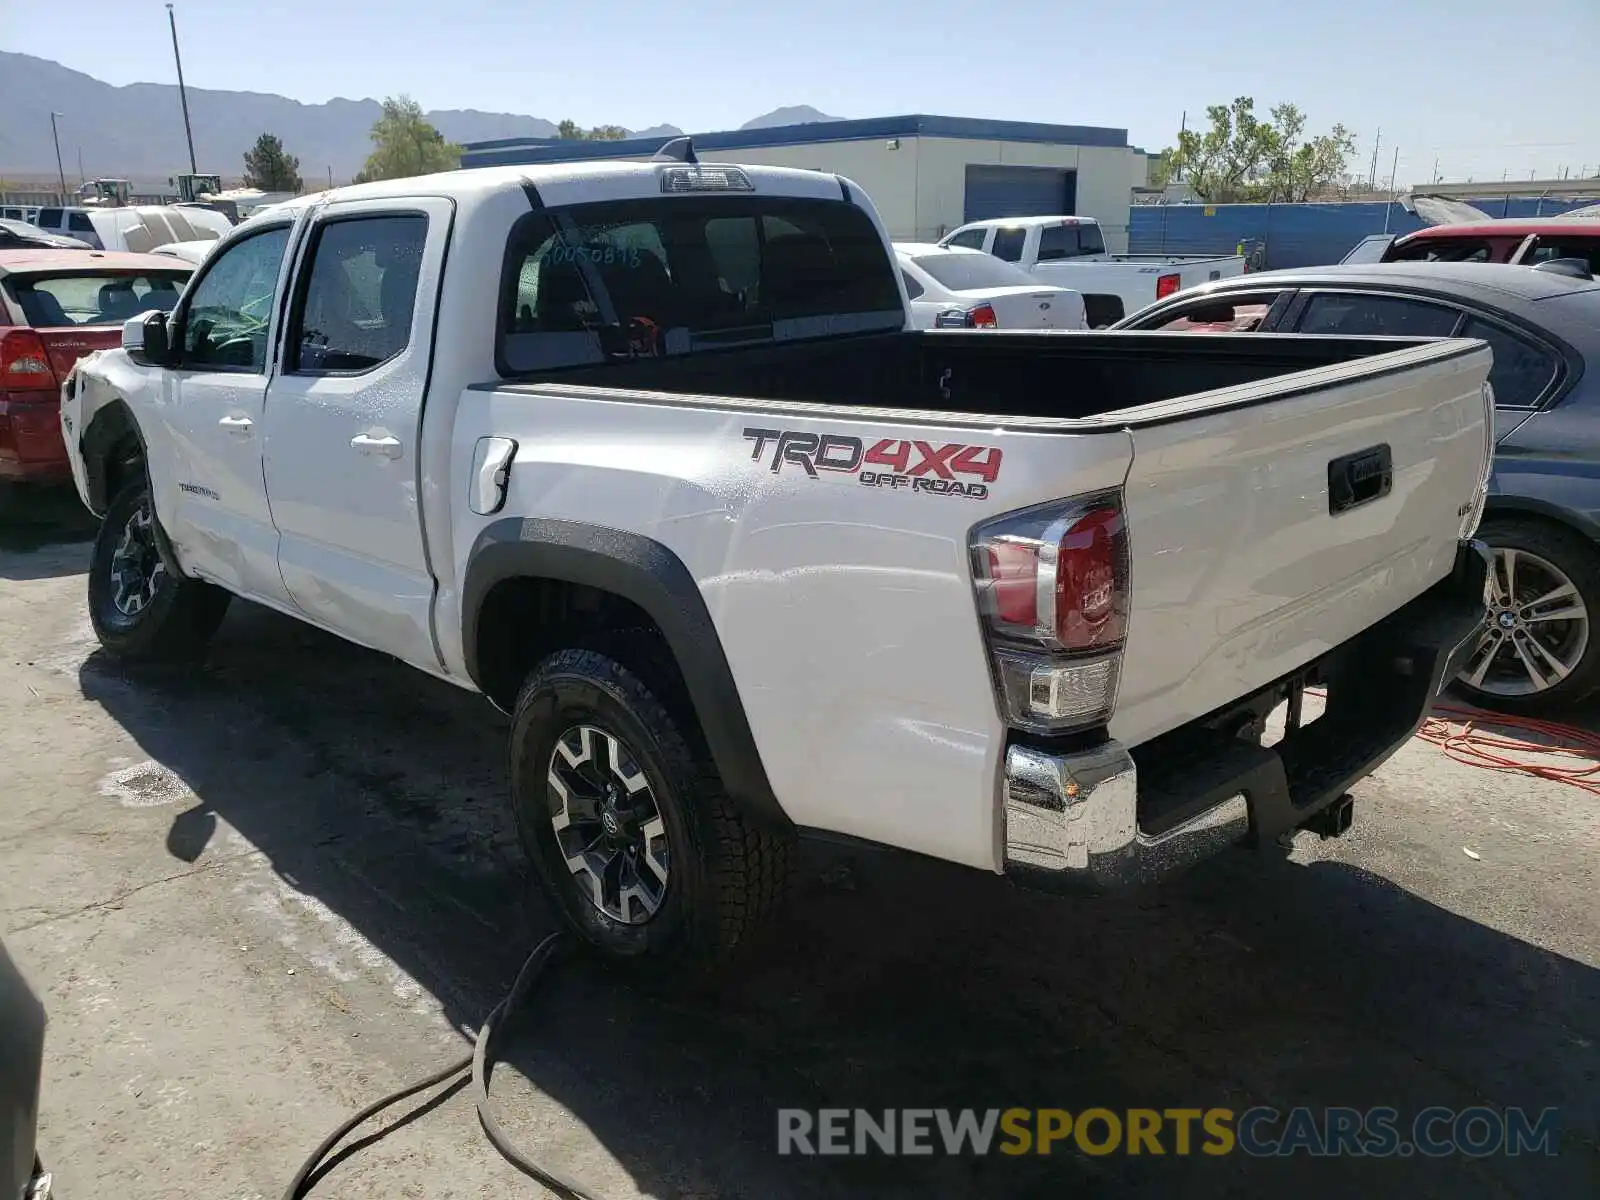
(137, 569)
(608, 825)
(1538, 627)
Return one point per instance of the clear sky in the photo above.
(1483, 86)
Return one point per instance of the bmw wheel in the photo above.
(1539, 649)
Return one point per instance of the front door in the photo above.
(344, 423)
(213, 500)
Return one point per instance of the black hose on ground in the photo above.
(475, 1070)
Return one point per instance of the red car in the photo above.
(1524, 241)
(55, 307)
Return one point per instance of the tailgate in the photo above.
(1269, 523)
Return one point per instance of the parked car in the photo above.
(647, 453)
(1071, 252)
(19, 235)
(951, 288)
(135, 229)
(1543, 516)
(1524, 241)
(56, 305)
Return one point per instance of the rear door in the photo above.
(1246, 566)
(344, 421)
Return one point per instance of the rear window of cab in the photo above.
(648, 278)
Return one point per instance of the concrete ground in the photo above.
(258, 895)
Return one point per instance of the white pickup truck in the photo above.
(647, 454)
(1071, 252)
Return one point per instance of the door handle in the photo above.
(238, 426)
(388, 447)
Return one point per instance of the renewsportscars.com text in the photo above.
(1259, 1132)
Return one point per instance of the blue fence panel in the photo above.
(1294, 235)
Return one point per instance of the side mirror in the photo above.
(144, 339)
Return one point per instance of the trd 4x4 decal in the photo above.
(953, 469)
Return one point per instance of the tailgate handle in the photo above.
(1360, 478)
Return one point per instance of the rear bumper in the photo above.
(31, 449)
(1109, 817)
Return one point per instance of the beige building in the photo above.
(926, 174)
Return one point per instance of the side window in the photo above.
(1522, 369)
(1237, 314)
(1008, 244)
(226, 317)
(360, 294)
(913, 288)
(1544, 249)
(1441, 249)
(1058, 241)
(971, 239)
(1351, 314)
(48, 218)
(79, 222)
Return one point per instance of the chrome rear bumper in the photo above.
(1096, 819)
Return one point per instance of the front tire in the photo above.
(631, 834)
(142, 606)
(1541, 648)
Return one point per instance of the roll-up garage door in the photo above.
(1019, 192)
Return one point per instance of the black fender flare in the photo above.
(649, 575)
(105, 431)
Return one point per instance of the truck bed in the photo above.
(1079, 376)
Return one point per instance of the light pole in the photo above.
(183, 95)
(60, 170)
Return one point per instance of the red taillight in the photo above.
(24, 364)
(1014, 581)
(1166, 285)
(982, 317)
(1053, 590)
(1090, 612)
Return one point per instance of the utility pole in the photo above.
(1394, 173)
(60, 170)
(1435, 178)
(81, 178)
(1372, 178)
(183, 94)
(1183, 127)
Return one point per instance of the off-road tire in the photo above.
(180, 617)
(1577, 558)
(727, 873)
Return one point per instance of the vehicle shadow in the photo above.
(43, 532)
(895, 982)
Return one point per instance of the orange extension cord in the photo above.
(1460, 733)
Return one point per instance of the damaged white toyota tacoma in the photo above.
(648, 454)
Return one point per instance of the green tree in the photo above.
(570, 131)
(1241, 157)
(404, 144)
(269, 167)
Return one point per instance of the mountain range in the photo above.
(136, 131)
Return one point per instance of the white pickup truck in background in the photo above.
(1071, 252)
(647, 454)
